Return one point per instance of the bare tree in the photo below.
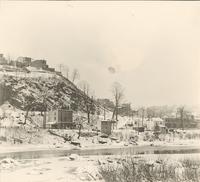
(30, 102)
(8, 58)
(150, 112)
(75, 75)
(142, 114)
(118, 94)
(67, 72)
(88, 101)
(181, 113)
(44, 97)
(60, 67)
(79, 121)
(85, 87)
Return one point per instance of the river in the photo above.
(134, 150)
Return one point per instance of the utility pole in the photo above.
(142, 117)
(104, 113)
(15, 69)
(60, 68)
(44, 119)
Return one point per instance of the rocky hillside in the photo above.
(43, 92)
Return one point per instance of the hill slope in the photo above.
(53, 91)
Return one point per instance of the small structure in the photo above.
(25, 61)
(176, 123)
(162, 129)
(39, 64)
(60, 119)
(107, 126)
(151, 123)
(3, 60)
(139, 128)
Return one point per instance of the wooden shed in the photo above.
(107, 126)
(60, 119)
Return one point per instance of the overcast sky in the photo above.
(151, 48)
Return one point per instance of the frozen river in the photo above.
(134, 150)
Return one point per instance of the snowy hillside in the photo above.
(55, 90)
(40, 91)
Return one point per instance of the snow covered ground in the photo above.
(71, 168)
(50, 170)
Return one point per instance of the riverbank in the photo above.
(122, 142)
(30, 153)
(88, 145)
(81, 168)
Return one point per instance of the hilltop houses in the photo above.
(26, 62)
(40, 63)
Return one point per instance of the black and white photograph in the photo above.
(99, 91)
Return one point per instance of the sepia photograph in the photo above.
(99, 91)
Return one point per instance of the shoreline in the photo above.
(137, 148)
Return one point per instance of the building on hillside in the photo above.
(25, 61)
(107, 126)
(50, 69)
(137, 124)
(3, 60)
(16, 64)
(148, 124)
(39, 64)
(152, 123)
(178, 123)
(59, 119)
(58, 73)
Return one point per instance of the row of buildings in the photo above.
(61, 118)
(164, 123)
(24, 62)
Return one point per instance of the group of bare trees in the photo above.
(65, 70)
(117, 91)
(183, 114)
(118, 94)
(88, 98)
(30, 102)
